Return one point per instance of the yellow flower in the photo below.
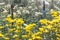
(11, 30)
(9, 19)
(49, 27)
(18, 27)
(6, 38)
(1, 35)
(19, 21)
(17, 31)
(30, 39)
(55, 21)
(41, 29)
(38, 33)
(29, 27)
(54, 13)
(46, 30)
(57, 17)
(34, 37)
(37, 38)
(58, 38)
(7, 25)
(24, 36)
(58, 35)
(1, 27)
(44, 21)
(15, 36)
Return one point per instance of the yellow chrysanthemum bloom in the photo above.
(57, 17)
(1, 35)
(19, 21)
(49, 27)
(55, 21)
(41, 29)
(10, 20)
(34, 37)
(44, 21)
(54, 13)
(58, 35)
(29, 27)
(46, 30)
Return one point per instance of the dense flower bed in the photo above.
(31, 22)
(17, 29)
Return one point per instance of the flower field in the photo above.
(29, 23)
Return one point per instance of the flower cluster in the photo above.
(28, 23)
(17, 29)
